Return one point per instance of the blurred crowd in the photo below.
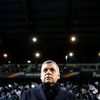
(7, 68)
(88, 91)
(14, 90)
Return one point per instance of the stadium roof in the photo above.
(52, 22)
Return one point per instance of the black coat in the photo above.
(38, 94)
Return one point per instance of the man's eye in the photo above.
(44, 70)
(52, 69)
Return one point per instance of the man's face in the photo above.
(50, 73)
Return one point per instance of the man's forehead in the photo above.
(49, 65)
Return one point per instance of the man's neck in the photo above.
(50, 84)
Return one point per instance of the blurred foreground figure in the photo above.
(49, 89)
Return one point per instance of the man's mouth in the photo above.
(48, 78)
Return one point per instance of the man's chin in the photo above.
(49, 81)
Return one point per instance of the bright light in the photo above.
(73, 38)
(99, 54)
(28, 61)
(9, 62)
(5, 55)
(9, 85)
(34, 39)
(66, 57)
(37, 54)
(71, 54)
(32, 85)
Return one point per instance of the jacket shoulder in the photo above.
(31, 93)
(66, 94)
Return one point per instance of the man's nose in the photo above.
(48, 71)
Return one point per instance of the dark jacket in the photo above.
(38, 94)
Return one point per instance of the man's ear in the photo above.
(58, 76)
(40, 76)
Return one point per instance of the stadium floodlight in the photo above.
(73, 38)
(9, 62)
(99, 54)
(34, 39)
(71, 54)
(5, 55)
(37, 54)
(66, 57)
(28, 61)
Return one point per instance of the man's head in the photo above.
(50, 72)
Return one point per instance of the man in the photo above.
(49, 89)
